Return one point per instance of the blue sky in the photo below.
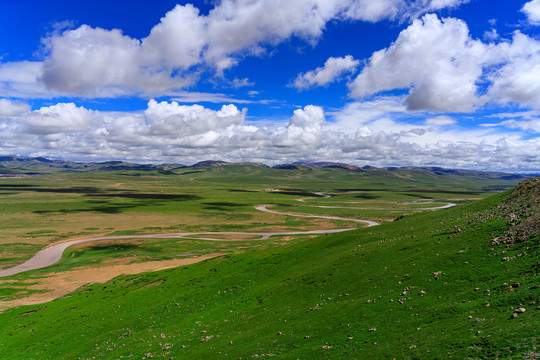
(452, 83)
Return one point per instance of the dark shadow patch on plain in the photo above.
(85, 190)
(192, 172)
(118, 247)
(417, 196)
(97, 192)
(224, 203)
(460, 192)
(295, 193)
(150, 196)
(105, 209)
(362, 189)
(368, 196)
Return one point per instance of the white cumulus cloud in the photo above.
(178, 40)
(21, 80)
(94, 62)
(377, 132)
(442, 66)
(518, 81)
(532, 10)
(102, 63)
(304, 129)
(13, 108)
(173, 120)
(333, 69)
(436, 59)
(62, 118)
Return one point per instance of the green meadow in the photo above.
(40, 210)
(459, 282)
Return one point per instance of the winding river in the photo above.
(52, 254)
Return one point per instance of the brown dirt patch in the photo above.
(315, 224)
(401, 176)
(60, 284)
(225, 236)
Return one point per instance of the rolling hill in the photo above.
(459, 283)
(38, 165)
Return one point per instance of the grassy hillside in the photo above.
(458, 283)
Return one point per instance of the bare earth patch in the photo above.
(60, 284)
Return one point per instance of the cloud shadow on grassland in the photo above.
(115, 247)
(107, 197)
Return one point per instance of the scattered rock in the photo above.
(406, 290)
(436, 275)
(205, 339)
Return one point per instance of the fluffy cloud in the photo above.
(95, 62)
(491, 35)
(167, 59)
(311, 117)
(332, 70)
(442, 66)
(378, 132)
(13, 108)
(518, 81)
(532, 10)
(173, 120)
(60, 119)
(237, 26)
(440, 121)
(113, 65)
(178, 40)
(373, 11)
(304, 128)
(513, 71)
(532, 125)
(20, 80)
(441, 4)
(436, 58)
(528, 121)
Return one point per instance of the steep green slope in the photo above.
(459, 283)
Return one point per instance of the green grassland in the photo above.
(433, 285)
(40, 210)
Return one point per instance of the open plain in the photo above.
(308, 263)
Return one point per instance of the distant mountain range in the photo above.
(431, 169)
(16, 165)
